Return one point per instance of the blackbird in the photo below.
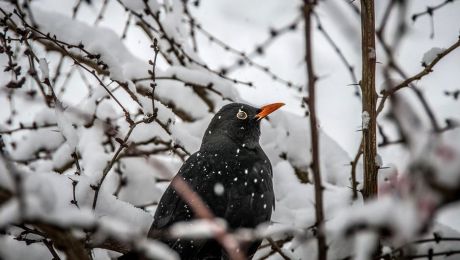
(233, 177)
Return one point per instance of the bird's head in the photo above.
(239, 122)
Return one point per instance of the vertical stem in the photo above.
(308, 13)
(369, 97)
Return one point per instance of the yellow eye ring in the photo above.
(241, 115)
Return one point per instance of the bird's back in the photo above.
(234, 181)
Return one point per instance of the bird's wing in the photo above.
(253, 208)
(172, 208)
(253, 194)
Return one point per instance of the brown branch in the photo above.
(369, 98)
(315, 165)
(275, 247)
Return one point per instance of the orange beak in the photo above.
(268, 109)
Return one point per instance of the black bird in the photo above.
(231, 174)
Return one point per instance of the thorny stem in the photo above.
(308, 13)
(369, 97)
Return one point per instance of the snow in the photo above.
(141, 175)
(157, 250)
(167, 90)
(106, 111)
(365, 117)
(203, 78)
(12, 249)
(198, 228)
(139, 5)
(43, 65)
(372, 54)
(98, 40)
(219, 189)
(84, 125)
(93, 157)
(116, 228)
(430, 55)
(66, 127)
(365, 245)
(44, 138)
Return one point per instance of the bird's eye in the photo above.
(241, 115)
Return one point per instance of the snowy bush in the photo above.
(92, 134)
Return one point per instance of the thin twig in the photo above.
(315, 165)
(427, 70)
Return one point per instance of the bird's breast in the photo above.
(238, 187)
